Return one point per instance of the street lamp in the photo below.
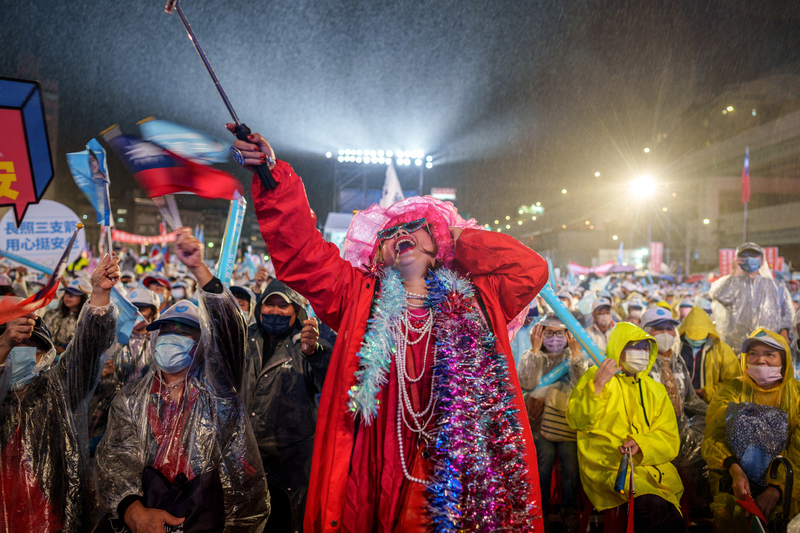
(643, 187)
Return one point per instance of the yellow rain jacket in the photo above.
(715, 449)
(628, 407)
(719, 363)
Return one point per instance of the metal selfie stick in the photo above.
(241, 131)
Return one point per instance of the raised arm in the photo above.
(515, 272)
(224, 334)
(302, 258)
(97, 326)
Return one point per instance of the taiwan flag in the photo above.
(160, 172)
(746, 177)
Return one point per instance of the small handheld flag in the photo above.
(11, 307)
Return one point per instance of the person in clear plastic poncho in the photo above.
(126, 363)
(617, 408)
(44, 480)
(551, 345)
(767, 380)
(750, 298)
(185, 416)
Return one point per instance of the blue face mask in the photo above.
(173, 352)
(695, 344)
(275, 324)
(24, 362)
(751, 264)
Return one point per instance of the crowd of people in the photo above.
(413, 381)
(697, 385)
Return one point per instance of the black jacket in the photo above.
(280, 393)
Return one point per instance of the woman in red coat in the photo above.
(421, 424)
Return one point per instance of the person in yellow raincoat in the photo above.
(711, 362)
(764, 352)
(614, 411)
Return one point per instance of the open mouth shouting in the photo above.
(404, 244)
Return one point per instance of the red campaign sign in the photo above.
(16, 177)
(779, 265)
(726, 258)
(771, 255)
(656, 253)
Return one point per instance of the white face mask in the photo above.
(665, 342)
(636, 313)
(636, 360)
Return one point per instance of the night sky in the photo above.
(514, 99)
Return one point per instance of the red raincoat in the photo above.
(506, 274)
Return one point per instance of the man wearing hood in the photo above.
(710, 360)
(286, 366)
(44, 480)
(247, 302)
(616, 409)
(767, 380)
(185, 419)
(750, 298)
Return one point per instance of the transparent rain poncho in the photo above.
(741, 305)
(206, 429)
(43, 463)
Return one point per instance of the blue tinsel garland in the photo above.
(479, 480)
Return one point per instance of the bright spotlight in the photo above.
(706, 221)
(428, 165)
(496, 221)
(533, 217)
(729, 108)
(381, 160)
(418, 162)
(508, 217)
(615, 237)
(358, 152)
(380, 153)
(358, 159)
(347, 152)
(340, 158)
(563, 191)
(642, 187)
(373, 153)
(508, 226)
(341, 152)
(328, 154)
(406, 161)
(367, 160)
(647, 150)
(429, 158)
(596, 174)
(389, 153)
(664, 209)
(519, 222)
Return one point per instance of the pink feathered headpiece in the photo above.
(361, 242)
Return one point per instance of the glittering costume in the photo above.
(479, 454)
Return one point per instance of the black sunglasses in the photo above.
(410, 227)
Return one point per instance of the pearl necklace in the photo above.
(417, 425)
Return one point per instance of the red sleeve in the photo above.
(303, 259)
(512, 271)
